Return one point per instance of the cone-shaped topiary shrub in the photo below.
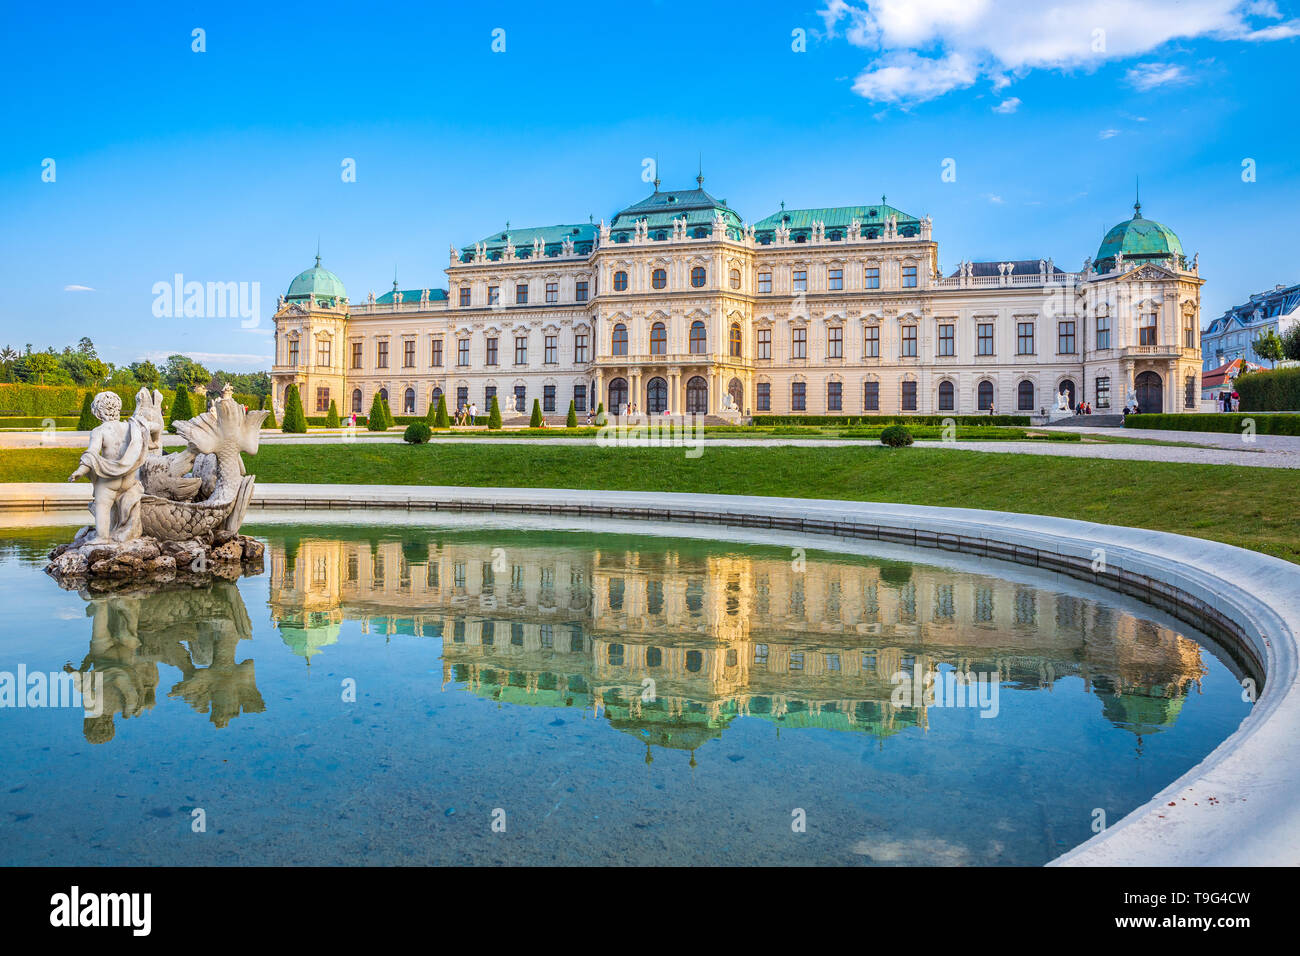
(295, 419)
(442, 419)
(536, 420)
(181, 410)
(269, 406)
(600, 413)
(572, 420)
(377, 421)
(389, 420)
(87, 421)
(494, 415)
(332, 416)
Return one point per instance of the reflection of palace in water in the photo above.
(674, 643)
(195, 630)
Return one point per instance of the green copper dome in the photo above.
(318, 282)
(1140, 239)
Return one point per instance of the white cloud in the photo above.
(925, 48)
(1147, 76)
(1107, 133)
(77, 288)
(1009, 105)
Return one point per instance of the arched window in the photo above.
(408, 402)
(697, 276)
(735, 340)
(735, 278)
(985, 396)
(1067, 387)
(697, 396)
(434, 397)
(356, 400)
(659, 278)
(658, 339)
(699, 340)
(736, 389)
(620, 281)
(383, 394)
(656, 396)
(947, 397)
(618, 343)
(1025, 396)
(617, 395)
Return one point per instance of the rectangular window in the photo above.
(1024, 338)
(489, 393)
(835, 280)
(871, 396)
(492, 351)
(464, 295)
(322, 399)
(1189, 334)
(381, 360)
(323, 352)
(872, 278)
(1147, 331)
(798, 343)
(436, 358)
(552, 293)
(909, 396)
(521, 294)
(521, 397)
(765, 282)
(871, 342)
(494, 295)
(580, 348)
(408, 353)
(764, 396)
(834, 397)
(548, 398)
(800, 280)
(462, 352)
(462, 396)
(909, 341)
(835, 342)
(549, 350)
(1103, 392)
(1103, 333)
(765, 343)
(580, 398)
(1065, 338)
(798, 402)
(909, 277)
(947, 340)
(1189, 399)
(356, 355)
(521, 350)
(580, 291)
(984, 338)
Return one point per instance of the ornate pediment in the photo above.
(1150, 272)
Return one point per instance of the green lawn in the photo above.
(1249, 507)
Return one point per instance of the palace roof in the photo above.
(411, 295)
(1139, 239)
(1281, 300)
(660, 208)
(583, 235)
(316, 281)
(1020, 267)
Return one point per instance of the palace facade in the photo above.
(678, 305)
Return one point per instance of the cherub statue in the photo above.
(117, 449)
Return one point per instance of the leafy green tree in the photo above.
(41, 368)
(494, 415)
(536, 420)
(295, 419)
(1291, 344)
(377, 421)
(572, 420)
(87, 421)
(332, 416)
(442, 419)
(146, 373)
(181, 371)
(1269, 346)
(181, 410)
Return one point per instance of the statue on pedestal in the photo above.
(117, 450)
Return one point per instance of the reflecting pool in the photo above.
(478, 693)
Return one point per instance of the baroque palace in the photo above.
(677, 305)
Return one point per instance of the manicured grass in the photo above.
(1249, 507)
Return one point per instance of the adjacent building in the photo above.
(678, 305)
(1232, 335)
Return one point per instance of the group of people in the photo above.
(1229, 401)
(1083, 408)
(465, 414)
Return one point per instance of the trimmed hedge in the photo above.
(1021, 420)
(1273, 391)
(20, 421)
(1217, 422)
(56, 401)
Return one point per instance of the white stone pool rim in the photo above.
(1238, 806)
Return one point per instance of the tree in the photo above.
(41, 368)
(572, 420)
(332, 416)
(442, 419)
(600, 413)
(494, 415)
(269, 406)
(376, 420)
(389, 420)
(87, 421)
(146, 373)
(1291, 344)
(295, 419)
(536, 420)
(181, 410)
(181, 371)
(1269, 346)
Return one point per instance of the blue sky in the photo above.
(225, 165)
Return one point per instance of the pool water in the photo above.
(493, 695)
